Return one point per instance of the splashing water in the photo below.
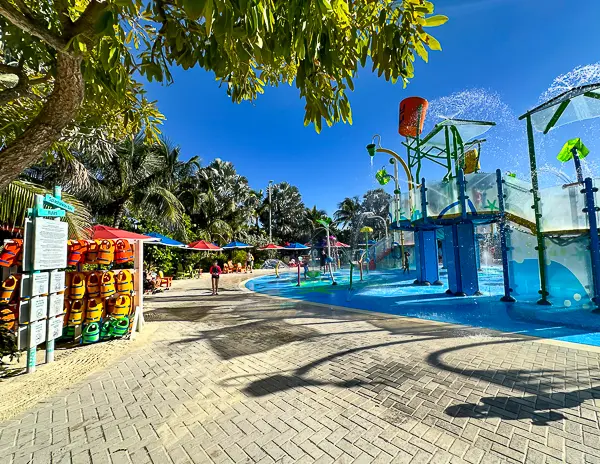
(581, 75)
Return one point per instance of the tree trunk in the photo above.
(60, 109)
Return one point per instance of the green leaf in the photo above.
(193, 8)
(436, 20)
(208, 15)
(433, 43)
(104, 22)
(420, 49)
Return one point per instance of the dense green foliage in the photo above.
(67, 67)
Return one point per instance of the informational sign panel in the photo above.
(38, 308)
(57, 281)
(50, 244)
(38, 333)
(56, 304)
(55, 327)
(34, 284)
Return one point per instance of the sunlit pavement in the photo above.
(242, 377)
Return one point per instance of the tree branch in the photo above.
(61, 107)
(86, 22)
(31, 26)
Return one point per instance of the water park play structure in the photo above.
(546, 239)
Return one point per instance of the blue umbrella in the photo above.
(164, 240)
(295, 246)
(234, 245)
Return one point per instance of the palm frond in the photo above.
(19, 195)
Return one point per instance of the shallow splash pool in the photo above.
(393, 292)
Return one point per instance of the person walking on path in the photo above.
(215, 273)
(405, 266)
(249, 262)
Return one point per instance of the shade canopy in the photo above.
(100, 232)
(461, 130)
(166, 241)
(577, 104)
(235, 245)
(203, 245)
(271, 246)
(341, 245)
(295, 246)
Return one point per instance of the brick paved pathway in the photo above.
(247, 378)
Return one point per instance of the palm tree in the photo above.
(348, 211)
(313, 215)
(288, 218)
(136, 178)
(20, 195)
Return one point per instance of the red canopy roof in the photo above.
(341, 245)
(101, 232)
(204, 245)
(271, 246)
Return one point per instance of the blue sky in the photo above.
(514, 48)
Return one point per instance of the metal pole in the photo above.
(396, 193)
(423, 200)
(541, 249)
(462, 197)
(503, 229)
(577, 162)
(591, 209)
(270, 228)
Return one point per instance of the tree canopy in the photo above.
(68, 67)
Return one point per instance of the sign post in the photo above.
(44, 291)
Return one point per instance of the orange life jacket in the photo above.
(91, 255)
(108, 284)
(77, 286)
(124, 281)
(11, 253)
(76, 253)
(106, 252)
(123, 251)
(93, 282)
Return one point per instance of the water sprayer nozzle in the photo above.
(371, 149)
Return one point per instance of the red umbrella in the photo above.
(204, 246)
(101, 232)
(271, 246)
(341, 245)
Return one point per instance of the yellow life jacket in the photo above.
(76, 312)
(94, 281)
(9, 286)
(94, 310)
(122, 305)
(91, 256)
(124, 281)
(108, 284)
(77, 287)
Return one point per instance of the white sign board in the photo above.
(56, 304)
(55, 327)
(50, 244)
(38, 308)
(37, 334)
(34, 284)
(57, 281)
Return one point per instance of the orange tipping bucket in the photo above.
(412, 113)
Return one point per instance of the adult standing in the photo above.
(249, 262)
(215, 273)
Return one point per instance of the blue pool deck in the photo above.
(393, 292)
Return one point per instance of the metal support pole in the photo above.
(298, 277)
(541, 249)
(396, 194)
(591, 209)
(448, 153)
(503, 229)
(270, 227)
(351, 271)
(423, 200)
(577, 162)
(462, 197)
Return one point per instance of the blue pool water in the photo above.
(393, 292)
